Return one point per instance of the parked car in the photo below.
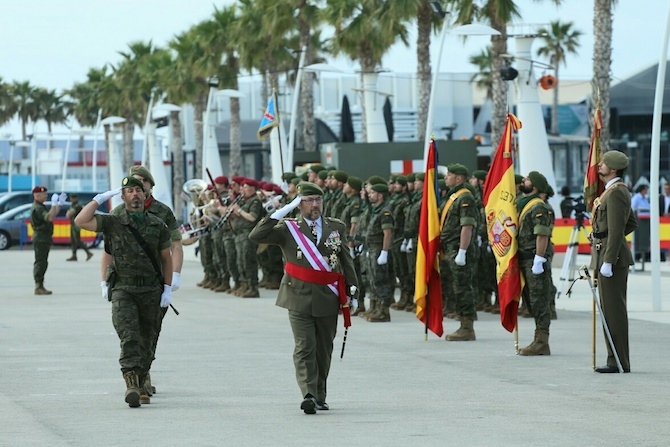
(11, 222)
(9, 200)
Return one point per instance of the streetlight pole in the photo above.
(94, 171)
(472, 29)
(210, 151)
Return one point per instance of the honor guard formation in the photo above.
(326, 241)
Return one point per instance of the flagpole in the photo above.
(281, 155)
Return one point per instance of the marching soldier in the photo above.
(41, 220)
(457, 241)
(75, 231)
(535, 253)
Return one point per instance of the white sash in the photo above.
(310, 251)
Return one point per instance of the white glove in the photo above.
(352, 252)
(538, 265)
(383, 258)
(359, 249)
(176, 281)
(61, 199)
(479, 241)
(54, 199)
(352, 291)
(105, 289)
(105, 196)
(166, 297)
(606, 269)
(284, 210)
(403, 246)
(410, 246)
(460, 257)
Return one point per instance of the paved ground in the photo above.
(225, 377)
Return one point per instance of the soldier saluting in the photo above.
(138, 294)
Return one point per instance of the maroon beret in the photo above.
(221, 180)
(40, 189)
(269, 187)
(238, 179)
(250, 182)
(277, 190)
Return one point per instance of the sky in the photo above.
(53, 43)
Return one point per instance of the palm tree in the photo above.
(602, 64)
(498, 13)
(426, 21)
(484, 77)
(8, 106)
(364, 32)
(560, 40)
(52, 108)
(24, 101)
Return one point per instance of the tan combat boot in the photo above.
(204, 281)
(224, 285)
(372, 309)
(214, 283)
(401, 303)
(360, 309)
(244, 286)
(145, 393)
(251, 292)
(40, 290)
(539, 346)
(464, 333)
(383, 315)
(132, 388)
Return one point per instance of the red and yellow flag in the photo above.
(502, 223)
(593, 185)
(428, 289)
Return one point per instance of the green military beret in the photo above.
(479, 174)
(411, 177)
(392, 178)
(309, 189)
(518, 179)
(355, 182)
(442, 184)
(550, 191)
(401, 179)
(296, 180)
(340, 176)
(539, 181)
(331, 172)
(419, 176)
(316, 168)
(458, 169)
(304, 176)
(142, 172)
(131, 182)
(615, 160)
(323, 174)
(439, 175)
(288, 176)
(74, 195)
(380, 187)
(375, 179)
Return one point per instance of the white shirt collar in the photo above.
(608, 184)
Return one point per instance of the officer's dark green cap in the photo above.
(518, 179)
(340, 176)
(317, 168)
(142, 172)
(411, 177)
(615, 160)
(380, 187)
(322, 174)
(131, 182)
(539, 181)
(550, 191)
(288, 176)
(458, 169)
(401, 179)
(355, 182)
(375, 179)
(420, 176)
(442, 184)
(295, 180)
(479, 174)
(309, 189)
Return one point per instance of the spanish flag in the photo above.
(502, 223)
(593, 185)
(428, 289)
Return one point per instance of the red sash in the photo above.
(323, 277)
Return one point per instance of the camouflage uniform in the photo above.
(486, 265)
(359, 260)
(412, 217)
(538, 220)
(136, 293)
(43, 230)
(75, 232)
(399, 205)
(458, 279)
(245, 250)
(380, 277)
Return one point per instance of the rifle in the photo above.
(211, 180)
